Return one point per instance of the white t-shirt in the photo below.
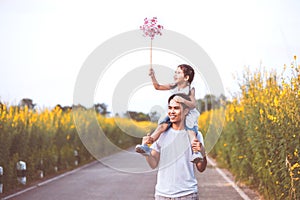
(175, 177)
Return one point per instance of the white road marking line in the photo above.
(237, 188)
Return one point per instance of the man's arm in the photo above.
(153, 159)
(197, 146)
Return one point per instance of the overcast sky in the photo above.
(43, 44)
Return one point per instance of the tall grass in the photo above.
(46, 140)
(260, 141)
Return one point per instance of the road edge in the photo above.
(48, 181)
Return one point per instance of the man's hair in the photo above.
(186, 97)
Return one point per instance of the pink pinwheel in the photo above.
(150, 28)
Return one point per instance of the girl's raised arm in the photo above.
(155, 83)
(192, 103)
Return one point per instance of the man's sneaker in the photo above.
(196, 157)
(143, 149)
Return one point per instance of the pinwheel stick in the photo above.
(150, 54)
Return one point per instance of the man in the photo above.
(171, 154)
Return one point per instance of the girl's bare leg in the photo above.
(192, 136)
(197, 156)
(157, 132)
(149, 139)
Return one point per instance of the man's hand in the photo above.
(147, 139)
(198, 147)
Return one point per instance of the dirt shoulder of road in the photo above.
(251, 192)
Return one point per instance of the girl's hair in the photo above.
(187, 71)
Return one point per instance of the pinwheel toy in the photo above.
(150, 29)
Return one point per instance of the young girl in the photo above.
(183, 78)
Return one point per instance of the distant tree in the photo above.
(138, 116)
(27, 102)
(79, 106)
(64, 108)
(101, 108)
(154, 116)
(222, 100)
(222, 97)
(211, 102)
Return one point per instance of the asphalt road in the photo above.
(126, 176)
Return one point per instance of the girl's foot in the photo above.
(196, 157)
(143, 149)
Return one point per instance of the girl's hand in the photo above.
(179, 99)
(151, 72)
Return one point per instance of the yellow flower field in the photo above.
(48, 139)
(260, 141)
